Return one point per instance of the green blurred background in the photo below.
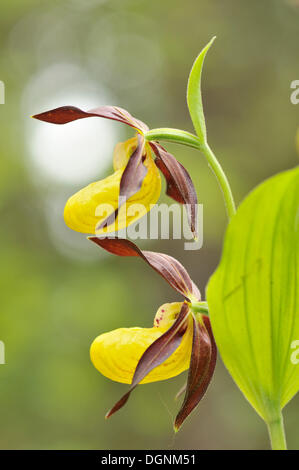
(58, 292)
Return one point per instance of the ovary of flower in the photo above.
(116, 354)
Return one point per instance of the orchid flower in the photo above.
(181, 337)
(117, 201)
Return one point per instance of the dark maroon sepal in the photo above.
(167, 266)
(179, 183)
(66, 114)
(131, 180)
(202, 365)
(157, 353)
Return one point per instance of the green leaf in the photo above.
(253, 296)
(194, 98)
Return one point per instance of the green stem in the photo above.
(200, 307)
(186, 138)
(174, 135)
(277, 433)
(222, 180)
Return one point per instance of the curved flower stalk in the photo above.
(131, 191)
(180, 339)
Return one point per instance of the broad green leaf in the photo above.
(253, 296)
(194, 98)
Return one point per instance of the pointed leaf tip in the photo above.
(194, 95)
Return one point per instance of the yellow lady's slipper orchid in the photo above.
(115, 202)
(92, 205)
(180, 339)
(117, 353)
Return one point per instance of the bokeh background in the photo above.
(58, 292)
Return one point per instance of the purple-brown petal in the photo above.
(179, 183)
(65, 114)
(167, 266)
(131, 180)
(202, 365)
(157, 353)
